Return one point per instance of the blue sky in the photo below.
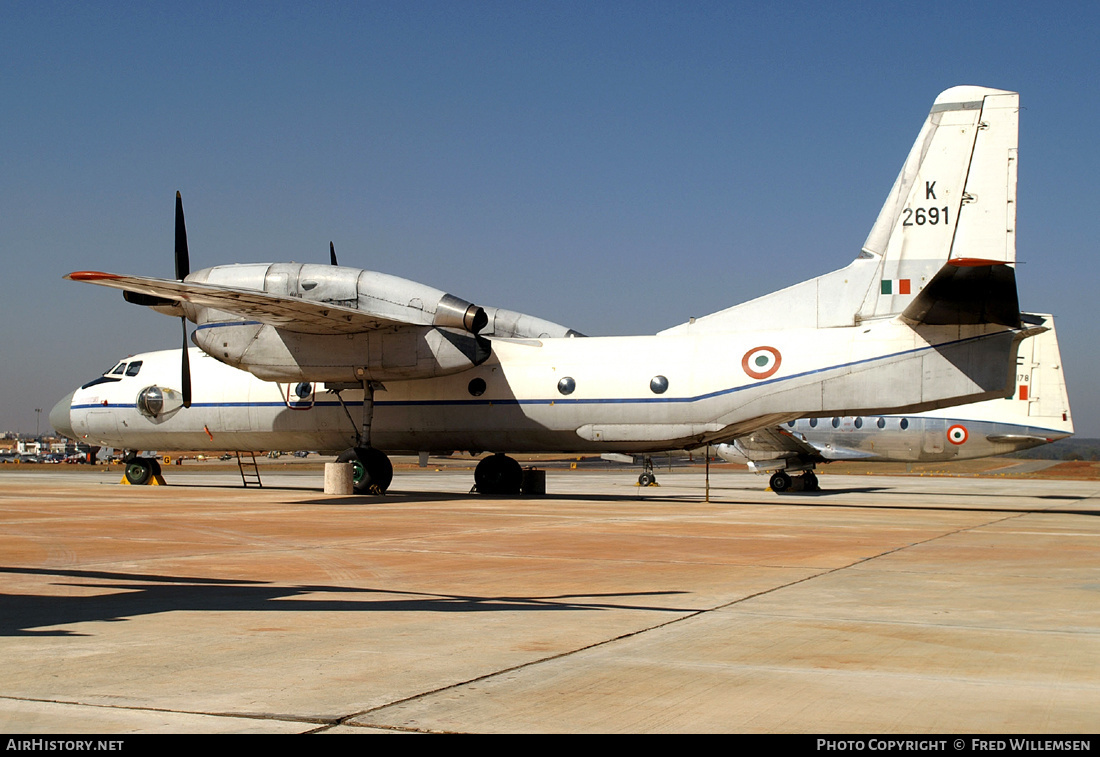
(616, 167)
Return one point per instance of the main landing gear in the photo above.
(498, 474)
(371, 470)
(647, 478)
(781, 482)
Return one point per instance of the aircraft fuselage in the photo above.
(637, 394)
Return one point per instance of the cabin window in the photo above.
(813, 422)
(859, 423)
(836, 422)
(904, 423)
(303, 390)
(881, 423)
(658, 384)
(476, 387)
(567, 385)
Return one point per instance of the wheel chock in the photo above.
(156, 480)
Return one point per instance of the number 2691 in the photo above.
(922, 216)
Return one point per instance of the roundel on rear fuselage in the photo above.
(761, 362)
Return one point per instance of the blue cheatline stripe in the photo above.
(595, 401)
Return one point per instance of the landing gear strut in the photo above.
(498, 474)
(372, 471)
(648, 478)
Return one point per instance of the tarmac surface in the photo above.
(884, 604)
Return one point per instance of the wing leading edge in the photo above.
(288, 313)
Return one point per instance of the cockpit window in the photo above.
(133, 368)
(119, 369)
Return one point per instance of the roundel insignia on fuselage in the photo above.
(957, 434)
(761, 362)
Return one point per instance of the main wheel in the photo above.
(372, 471)
(809, 482)
(139, 471)
(781, 482)
(498, 474)
(647, 479)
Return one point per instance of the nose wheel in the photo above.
(141, 470)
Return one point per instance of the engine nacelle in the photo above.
(406, 352)
(388, 297)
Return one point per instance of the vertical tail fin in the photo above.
(1041, 382)
(954, 200)
(1038, 397)
(943, 246)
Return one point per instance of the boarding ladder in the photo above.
(250, 472)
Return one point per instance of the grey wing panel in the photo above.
(290, 313)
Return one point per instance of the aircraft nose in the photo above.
(59, 416)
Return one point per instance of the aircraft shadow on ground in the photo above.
(136, 594)
(392, 498)
(794, 499)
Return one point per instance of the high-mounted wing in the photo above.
(293, 314)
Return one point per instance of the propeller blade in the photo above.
(185, 378)
(183, 265)
(332, 254)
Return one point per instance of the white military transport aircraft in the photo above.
(927, 316)
(1036, 412)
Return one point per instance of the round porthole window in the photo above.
(158, 403)
(658, 384)
(476, 387)
(567, 385)
(150, 402)
(303, 390)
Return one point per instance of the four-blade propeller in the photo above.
(183, 267)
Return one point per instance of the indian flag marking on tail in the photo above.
(896, 286)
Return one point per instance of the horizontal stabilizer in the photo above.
(968, 292)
